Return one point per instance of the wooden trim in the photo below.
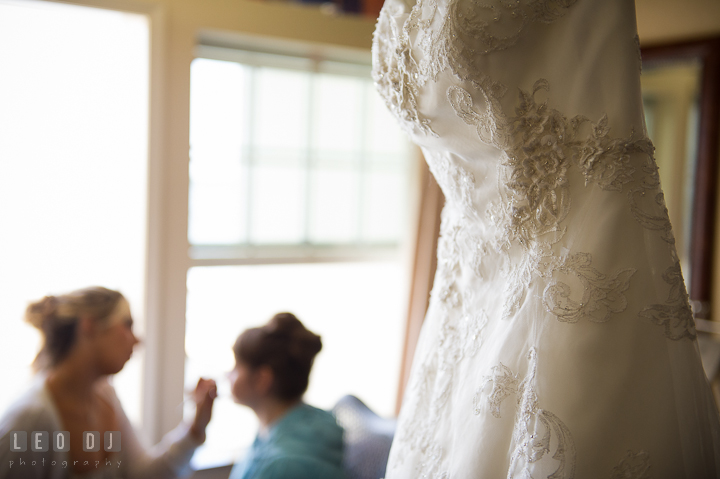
(704, 201)
(424, 265)
(153, 404)
(371, 8)
(706, 175)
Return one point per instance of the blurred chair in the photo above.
(367, 438)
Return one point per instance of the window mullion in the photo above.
(309, 152)
(362, 165)
(250, 150)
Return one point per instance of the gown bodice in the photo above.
(559, 341)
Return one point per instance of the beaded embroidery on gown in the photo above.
(559, 341)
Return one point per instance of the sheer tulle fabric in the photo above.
(559, 341)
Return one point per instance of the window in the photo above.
(299, 201)
(73, 167)
(286, 151)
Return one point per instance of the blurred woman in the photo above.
(87, 337)
(295, 440)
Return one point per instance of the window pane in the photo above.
(218, 101)
(73, 168)
(334, 205)
(355, 307)
(385, 192)
(281, 109)
(278, 204)
(218, 142)
(299, 169)
(218, 199)
(337, 114)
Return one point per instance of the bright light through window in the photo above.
(285, 157)
(73, 168)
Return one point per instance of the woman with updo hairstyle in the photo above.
(87, 337)
(272, 369)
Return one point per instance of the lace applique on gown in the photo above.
(558, 342)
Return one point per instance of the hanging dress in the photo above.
(558, 342)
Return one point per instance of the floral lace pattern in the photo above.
(475, 28)
(393, 67)
(457, 182)
(675, 315)
(656, 218)
(459, 337)
(540, 148)
(601, 297)
(537, 165)
(633, 466)
(491, 123)
(606, 161)
(504, 383)
(647, 203)
(519, 275)
(416, 431)
(469, 29)
(531, 442)
(541, 144)
(462, 324)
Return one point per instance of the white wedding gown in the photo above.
(559, 341)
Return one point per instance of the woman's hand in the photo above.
(204, 396)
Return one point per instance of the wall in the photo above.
(667, 21)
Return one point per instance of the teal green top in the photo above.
(306, 443)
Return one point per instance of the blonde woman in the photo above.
(88, 336)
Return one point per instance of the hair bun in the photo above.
(38, 313)
(287, 347)
(284, 323)
(303, 342)
(313, 343)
